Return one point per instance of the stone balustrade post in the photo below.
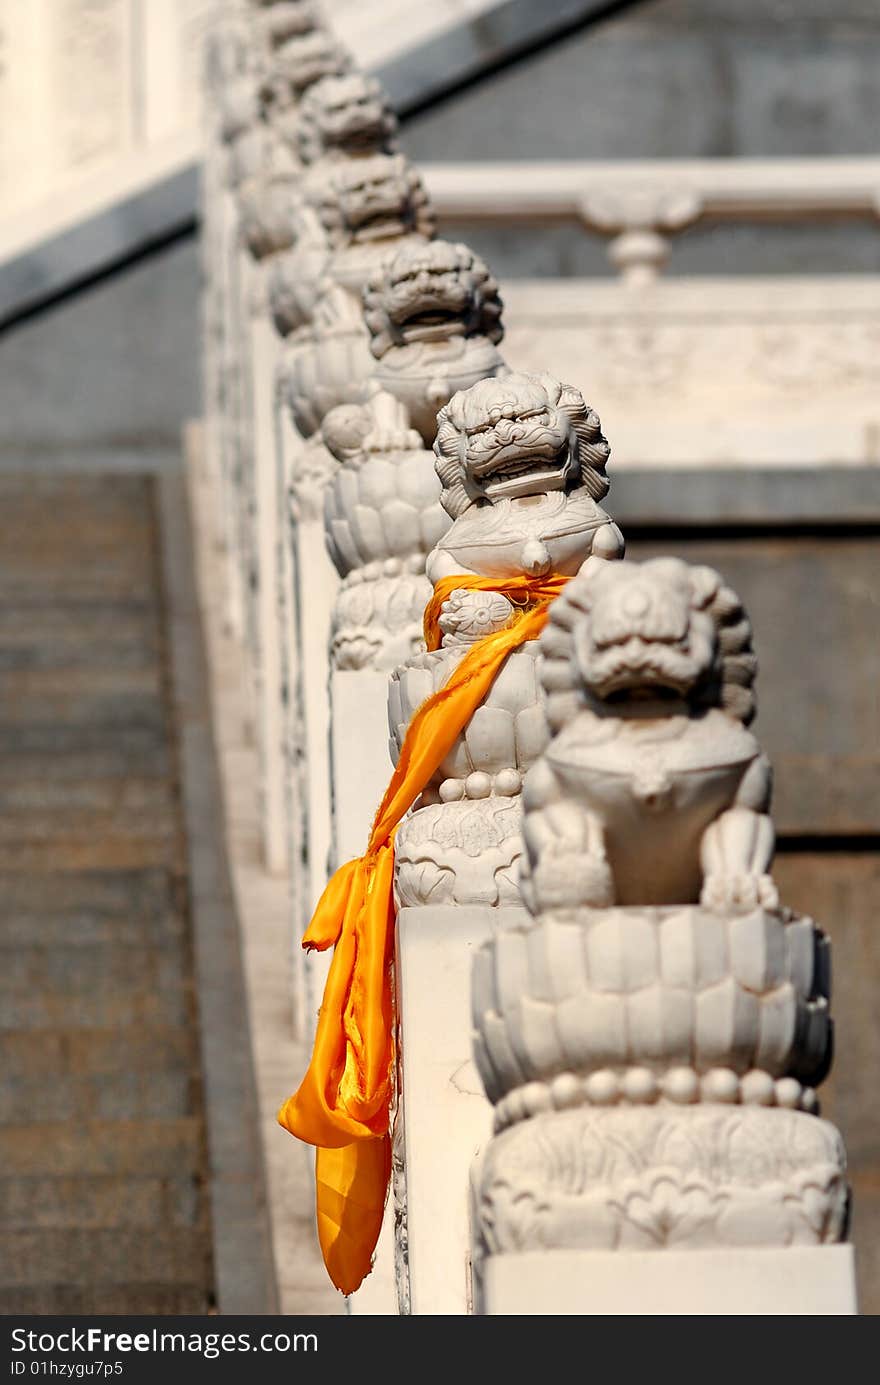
(269, 196)
(315, 293)
(521, 460)
(652, 1029)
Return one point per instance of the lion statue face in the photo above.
(298, 64)
(370, 199)
(431, 293)
(346, 115)
(517, 435)
(281, 20)
(627, 635)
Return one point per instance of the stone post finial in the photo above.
(653, 1032)
(520, 459)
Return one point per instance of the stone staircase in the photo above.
(103, 1195)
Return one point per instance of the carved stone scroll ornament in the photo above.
(521, 459)
(653, 1031)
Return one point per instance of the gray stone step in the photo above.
(153, 1300)
(87, 968)
(119, 1007)
(90, 905)
(91, 635)
(168, 1255)
(26, 799)
(76, 1148)
(98, 1202)
(103, 1162)
(163, 1094)
(41, 1054)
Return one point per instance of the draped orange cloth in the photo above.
(343, 1103)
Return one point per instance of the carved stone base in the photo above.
(377, 620)
(650, 1178)
(804, 1281)
(463, 853)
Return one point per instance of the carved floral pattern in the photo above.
(643, 1180)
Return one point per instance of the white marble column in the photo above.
(653, 1031)
(457, 853)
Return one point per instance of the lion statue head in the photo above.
(517, 435)
(625, 634)
(279, 21)
(430, 293)
(296, 64)
(378, 197)
(346, 115)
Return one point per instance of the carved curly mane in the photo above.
(450, 446)
(729, 683)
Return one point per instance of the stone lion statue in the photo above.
(344, 116)
(263, 161)
(652, 792)
(521, 459)
(298, 63)
(352, 215)
(279, 22)
(376, 198)
(434, 318)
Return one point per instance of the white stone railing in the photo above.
(320, 415)
(641, 205)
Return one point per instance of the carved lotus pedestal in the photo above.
(653, 1074)
(327, 368)
(381, 517)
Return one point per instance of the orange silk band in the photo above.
(343, 1103)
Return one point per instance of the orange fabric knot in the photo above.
(343, 1104)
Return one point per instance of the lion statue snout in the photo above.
(644, 638)
(658, 630)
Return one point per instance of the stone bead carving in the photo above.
(462, 842)
(531, 452)
(382, 516)
(622, 1005)
(652, 1031)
